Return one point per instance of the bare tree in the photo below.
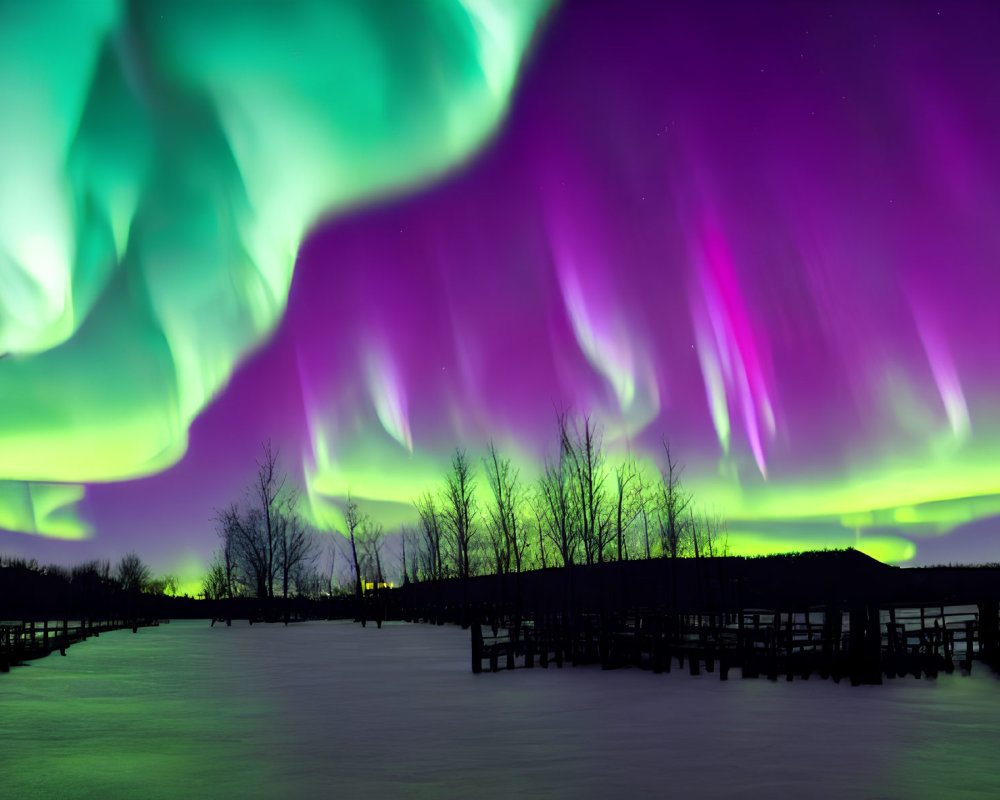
(404, 535)
(372, 539)
(673, 506)
(431, 528)
(242, 537)
(264, 540)
(538, 509)
(332, 549)
(228, 561)
(506, 528)
(132, 575)
(626, 510)
(581, 445)
(714, 536)
(215, 585)
(354, 520)
(458, 510)
(296, 550)
(264, 493)
(644, 500)
(555, 490)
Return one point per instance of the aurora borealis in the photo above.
(765, 230)
(161, 165)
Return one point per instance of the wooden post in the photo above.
(788, 646)
(932, 651)
(969, 638)
(857, 643)
(895, 646)
(949, 649)
(809, 651)
(833, 622)
(757, 638)
(477, 648)
(741, 643)
(866, 644)
(772, 647)
(751, 637)
(709, 640)
(989, 622)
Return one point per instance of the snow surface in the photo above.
(334, 710)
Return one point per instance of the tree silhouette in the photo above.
(505, 525)
(296, 545)
(372, 539)
(555, 490)
(132, 575)
(626, 509)
(672, 506)
(264, 541)
(431, 528)
(354, 520)
(458, 510)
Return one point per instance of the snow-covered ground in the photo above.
(334, 710)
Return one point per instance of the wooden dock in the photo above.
(24, 641)
(863, 644)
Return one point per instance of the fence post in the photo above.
(772, 646)
(477, 647)
(789, 634)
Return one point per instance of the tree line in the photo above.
(483, 518)
(582, 509)
(93, 589)
(269, 550)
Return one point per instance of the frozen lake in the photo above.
(329, 709)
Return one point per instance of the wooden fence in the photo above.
(23, 641)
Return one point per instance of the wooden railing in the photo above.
(23, 641)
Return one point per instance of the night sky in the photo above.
(767, 231)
